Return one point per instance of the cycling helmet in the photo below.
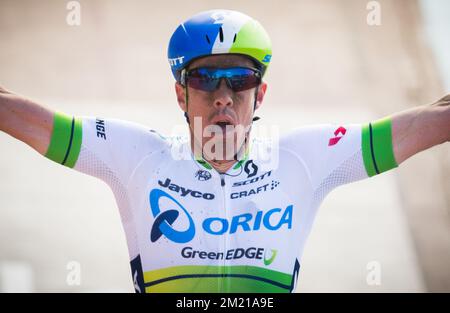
(218, 32)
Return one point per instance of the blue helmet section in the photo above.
(192, 39)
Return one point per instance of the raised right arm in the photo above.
(26, 120)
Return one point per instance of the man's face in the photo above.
(210, 112)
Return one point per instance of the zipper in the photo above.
(225, 236)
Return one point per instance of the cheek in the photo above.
(243, 97)
(198, 101)
(244, 101)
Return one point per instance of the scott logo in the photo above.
(176, 61)
(250, 168)
(267, 58)
(253, 180)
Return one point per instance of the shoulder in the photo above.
(121, 133)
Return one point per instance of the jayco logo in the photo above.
(272, 219)
(185, 191)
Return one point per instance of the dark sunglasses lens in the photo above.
(239, 79)
(244, 81)
(202, 79)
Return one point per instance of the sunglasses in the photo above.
(208, 78)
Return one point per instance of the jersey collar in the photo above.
(201, 161)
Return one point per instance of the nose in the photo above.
(223, 95)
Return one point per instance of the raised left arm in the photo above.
(420, 128)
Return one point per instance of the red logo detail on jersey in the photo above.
(335, 140)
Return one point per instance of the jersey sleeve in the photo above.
(108, 149)
(335, 154)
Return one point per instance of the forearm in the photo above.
(420, 128)
(25, 120)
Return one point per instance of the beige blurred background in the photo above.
(329, 65)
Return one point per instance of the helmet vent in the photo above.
(207, 39)
(221, 34)
(234, 39)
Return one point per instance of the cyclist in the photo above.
(208, 213)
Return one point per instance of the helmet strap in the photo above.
(255, 118)
(185, 113)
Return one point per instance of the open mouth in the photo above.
(224, 121)
(225, 126)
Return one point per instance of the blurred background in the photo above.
(348, 61)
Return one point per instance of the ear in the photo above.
(181, 96)
(260, 96)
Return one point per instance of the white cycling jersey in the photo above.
(191, 229)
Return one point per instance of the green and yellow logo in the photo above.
(269, 261)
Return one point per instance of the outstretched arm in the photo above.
(420, 128)
(26, 120)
